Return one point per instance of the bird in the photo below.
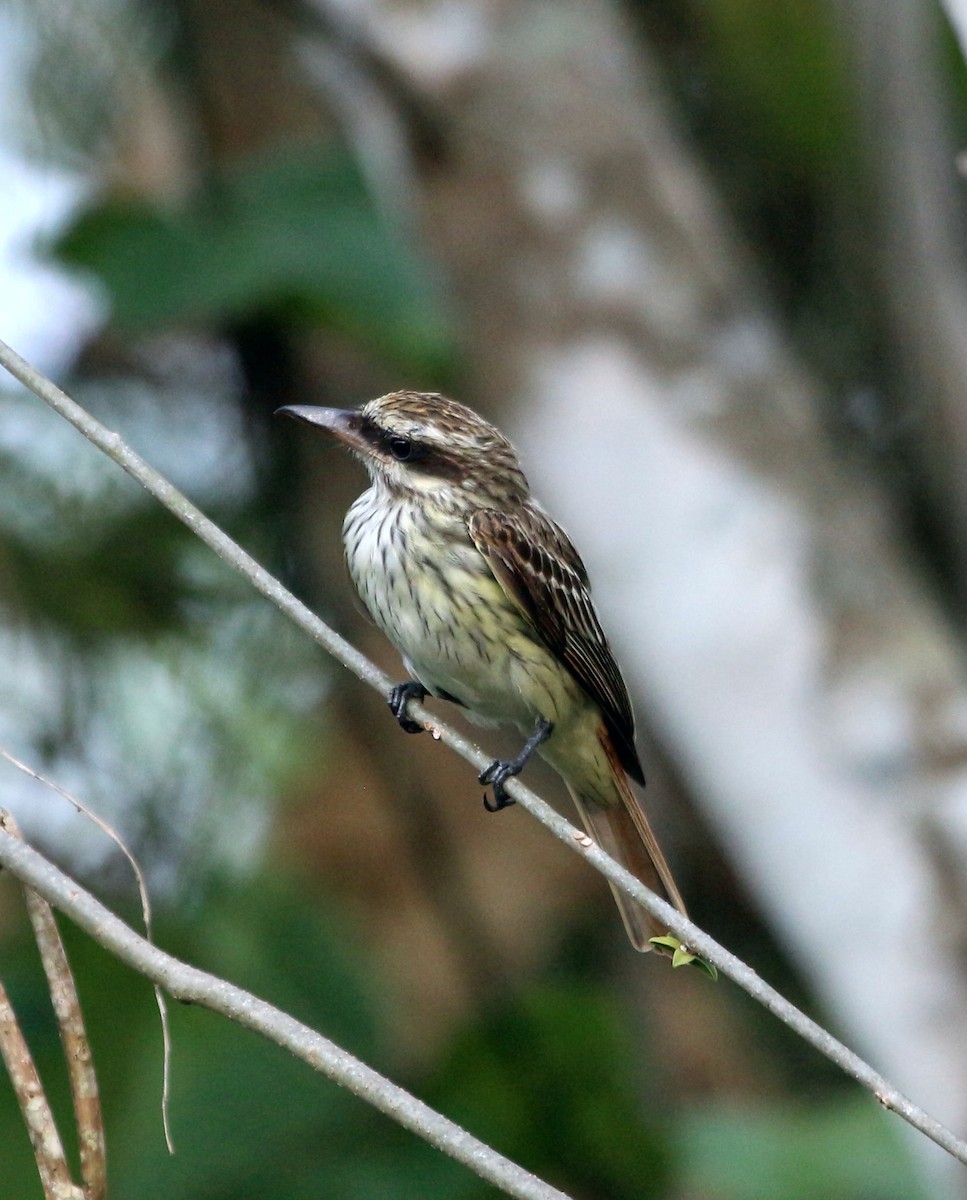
(489, 604)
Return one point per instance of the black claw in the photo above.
(398, 700)
(500, 800)
(502, 769)
(499, 771)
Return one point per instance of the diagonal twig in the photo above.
(70, 1022)
(52, 1166)
(77, 1050)
(191, 985)
(696, 939)
(55, 1175)
(142, 884)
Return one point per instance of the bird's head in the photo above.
(422, 444)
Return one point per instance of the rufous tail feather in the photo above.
(623, 832)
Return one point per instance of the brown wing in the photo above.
(537, 566)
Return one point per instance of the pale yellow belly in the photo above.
(435, 598)
(462, 637)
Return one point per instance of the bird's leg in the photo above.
(502, 769)
(399, 697)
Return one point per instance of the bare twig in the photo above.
(49, 1152)
(187, 983)
(145, 916)
(55, 1176)
(697, 940)
(77, 1050)
(73, 1035)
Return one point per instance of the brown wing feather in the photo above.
(537, 566)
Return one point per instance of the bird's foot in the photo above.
(399, 697)
(502, 769)
(499, 771)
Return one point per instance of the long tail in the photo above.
(622, 830)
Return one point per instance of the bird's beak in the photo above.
(343, 423)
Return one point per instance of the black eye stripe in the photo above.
(397, 445)
(405, 449)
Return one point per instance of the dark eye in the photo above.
(404, 449)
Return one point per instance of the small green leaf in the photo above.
(681, 956)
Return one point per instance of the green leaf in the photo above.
(681, 956)
(295, 234)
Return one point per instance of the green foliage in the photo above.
(549, 1077)
(87, 553)
(780, 63)
(247, 1119)
(839, 1150)
(134, 648)
(106, 583)
(548, 1080)
(767, 92)
(294, 234)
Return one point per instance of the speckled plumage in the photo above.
(489, 604)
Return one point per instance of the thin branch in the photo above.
(148, 931)
(77, 1049)
(188, 984)
(55, 1174)
(70, 1021)
(52, 1166)
(696, 940)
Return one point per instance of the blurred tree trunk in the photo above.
(770, 615)
(917, 233)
